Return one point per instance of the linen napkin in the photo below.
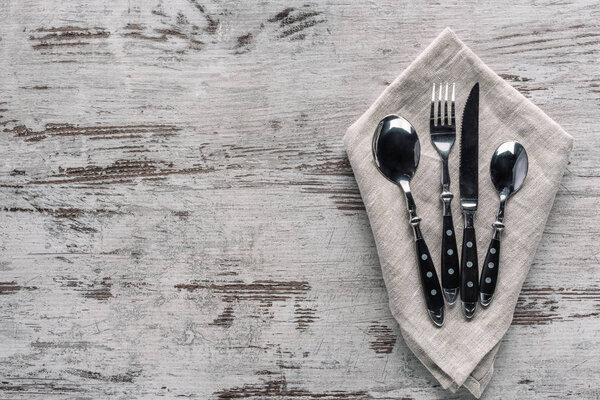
(462, 352)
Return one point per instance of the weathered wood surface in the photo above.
(179, 218)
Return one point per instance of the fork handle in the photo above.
(450, 264)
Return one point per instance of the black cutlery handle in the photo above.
(429, 279)
(450, 272)
(489, 272)
(469, 267)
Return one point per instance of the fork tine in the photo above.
(439, 113)
(432, 112)
(446, 106)
(452, 122)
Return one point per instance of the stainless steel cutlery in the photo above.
(396, 150)
(508, 170)
(469, 194)
(443, 135)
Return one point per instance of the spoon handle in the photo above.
(489, 272)
(429, 278)
(429, 281)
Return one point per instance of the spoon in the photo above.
(396, 151)
(508, 170)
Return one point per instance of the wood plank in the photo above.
(180, 219)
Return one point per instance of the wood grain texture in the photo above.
(179, 217)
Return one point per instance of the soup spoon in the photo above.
(508, 170)
(396, 151)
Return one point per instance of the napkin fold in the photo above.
(462, 352)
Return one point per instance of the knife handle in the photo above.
(489, 270)
(469, 271)
(450, 264)
(430, 282)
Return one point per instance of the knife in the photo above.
(468, 171)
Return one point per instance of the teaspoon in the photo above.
(396, 151)
(508, 170)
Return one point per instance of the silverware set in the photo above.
(396, 151)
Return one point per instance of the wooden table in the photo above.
(179, 217)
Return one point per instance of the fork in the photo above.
(443, 135)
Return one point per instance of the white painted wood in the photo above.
(179, 217)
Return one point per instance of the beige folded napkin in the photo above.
(462, 352)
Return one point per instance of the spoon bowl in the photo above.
(508, 167)
(396, 151)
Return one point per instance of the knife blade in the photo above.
(469, 193)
